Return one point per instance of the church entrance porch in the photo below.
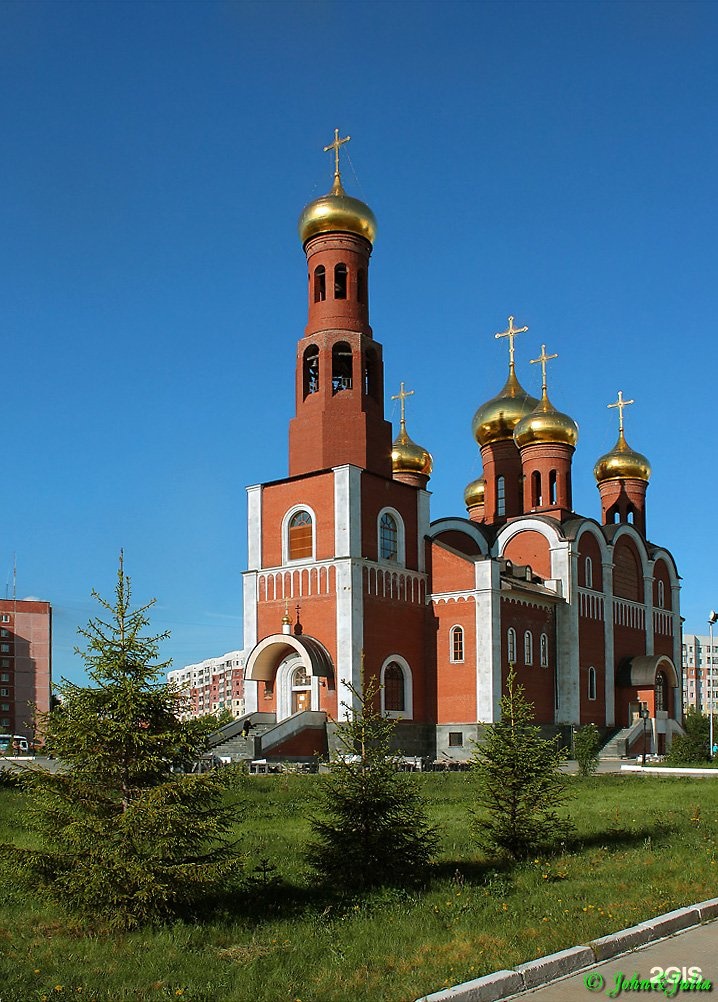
(648, 700)
(292, 671)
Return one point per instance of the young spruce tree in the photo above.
(374, 829)
(521, 785)
(125, 837)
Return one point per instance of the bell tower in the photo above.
(622, 477)
(339, 417)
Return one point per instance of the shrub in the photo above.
(691, 748)
(586, 744)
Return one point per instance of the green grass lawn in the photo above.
(645, 845)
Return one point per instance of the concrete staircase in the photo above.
(618, 746)
(301, 736)
(229, 741)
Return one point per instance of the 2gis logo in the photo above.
(675, 973)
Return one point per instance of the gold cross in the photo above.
(402, 395)
(621, 403)
(335, 146)
(543, 359)
(511, 334)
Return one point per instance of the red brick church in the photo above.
(347, 569)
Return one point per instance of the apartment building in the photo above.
(212, 685)
(700, 672)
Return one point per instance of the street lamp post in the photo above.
(709, 680)
(645, 714)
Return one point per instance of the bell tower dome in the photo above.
(340, 372)
(493, 428)
(622, 477)
(546, 439)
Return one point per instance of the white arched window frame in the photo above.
(408, 712)
(528, 648)
(588, 567)
(511, 645)
(285, 534)
(544, 651)
(591, 682)
(400, 559)
(456, 644)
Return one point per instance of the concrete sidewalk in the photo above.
(686, 951)
(686, 939)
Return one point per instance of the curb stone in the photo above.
(536, 973)
(708, 909)
(675, 921)
(556, 965)
(491, 988)
(620, 942)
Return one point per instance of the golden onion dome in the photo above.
(408, 457)
(475, 492)
(546, 424)
(622, 463)
(337, 212)
(495, 420)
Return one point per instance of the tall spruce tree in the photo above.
(373, 828)
(520, 782)
(124, 836)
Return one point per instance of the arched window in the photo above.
(552, 492)
(320, 284)
(340, 281)
(535, 489)
(528, 648)
(388, 537)
(342, 364)
(300, 536)
(300, 677)
(511, 645)
(500, 496)
(661, 690)
(661, 595)
(361, 286)
(591, 682)
(394, 696)
(456, 644)
(311, 370)
(588, 570)
(544, 651)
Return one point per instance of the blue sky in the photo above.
(555, 161)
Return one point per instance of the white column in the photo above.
(677, 651)
(254, 528)
(347, 511)
(423, 520)
(249, 588)
(350, 632)
(609, 657)
(564, 566)
(350, 595)
(488, 641)
(648, 605)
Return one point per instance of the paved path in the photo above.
(697, 947)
